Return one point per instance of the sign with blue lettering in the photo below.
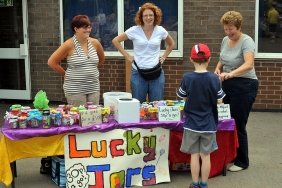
(118, 158)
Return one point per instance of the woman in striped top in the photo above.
(83, 54)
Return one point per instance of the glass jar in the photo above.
(34, 123)
(46, 122)
(22, 120)
(105, 111)
(13, 122)
(66, 119)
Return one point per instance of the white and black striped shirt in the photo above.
(82, 74)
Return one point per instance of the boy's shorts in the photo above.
(194, 142)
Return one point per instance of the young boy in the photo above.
(202, 92)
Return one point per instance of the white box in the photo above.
(127, 110)
(110, 96)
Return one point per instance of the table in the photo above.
(227, 149)
(31, 142)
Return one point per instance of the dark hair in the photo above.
(156, 10)
(80, 21)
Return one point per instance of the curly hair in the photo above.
(232, 18)
(156, 10)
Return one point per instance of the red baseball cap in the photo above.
(200, 51)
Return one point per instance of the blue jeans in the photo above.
(240, 94)
(140, 87)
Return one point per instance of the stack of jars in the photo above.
(148, 112)
(17, 117)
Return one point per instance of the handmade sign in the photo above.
(223, 111)
(169, 113)
(118, 158)
(90, 117)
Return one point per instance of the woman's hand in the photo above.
(226, 75)
(129, 58)
(218, 69)
(217, 72)
(162, 59)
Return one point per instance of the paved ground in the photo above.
(265, 169)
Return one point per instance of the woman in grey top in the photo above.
(239, 81)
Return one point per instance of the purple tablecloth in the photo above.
(18, 134)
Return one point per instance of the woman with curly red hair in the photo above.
(146, 36)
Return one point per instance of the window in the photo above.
(269, 29)
(103, 15)
(112, 17)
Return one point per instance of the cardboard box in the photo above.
(127, 110)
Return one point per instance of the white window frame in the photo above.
(120, 6)
(262, 55)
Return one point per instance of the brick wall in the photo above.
(201, 24)
(270, 90)
(44, 38)
(112, 76)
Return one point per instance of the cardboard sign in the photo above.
(169, 113)
(223, 111)
(90, 117)
(118, 158)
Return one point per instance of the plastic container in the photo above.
(110, 96)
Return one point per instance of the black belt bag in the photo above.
(150, 74)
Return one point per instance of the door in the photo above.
(14, 54)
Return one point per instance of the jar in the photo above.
(91, 107)
(105, 111)
(52, 118)
(66, 119)
(169, 102)
(74, 118)
(153, 113)
(15, 111)
(34, 118)
(89, 104)
(25, 110)
(13, 122)
(144, 111)
(68, 108)
(58, 119)
(60, 109)
(22, 122)
(74, 109)
(46, 122)
(33, 123)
